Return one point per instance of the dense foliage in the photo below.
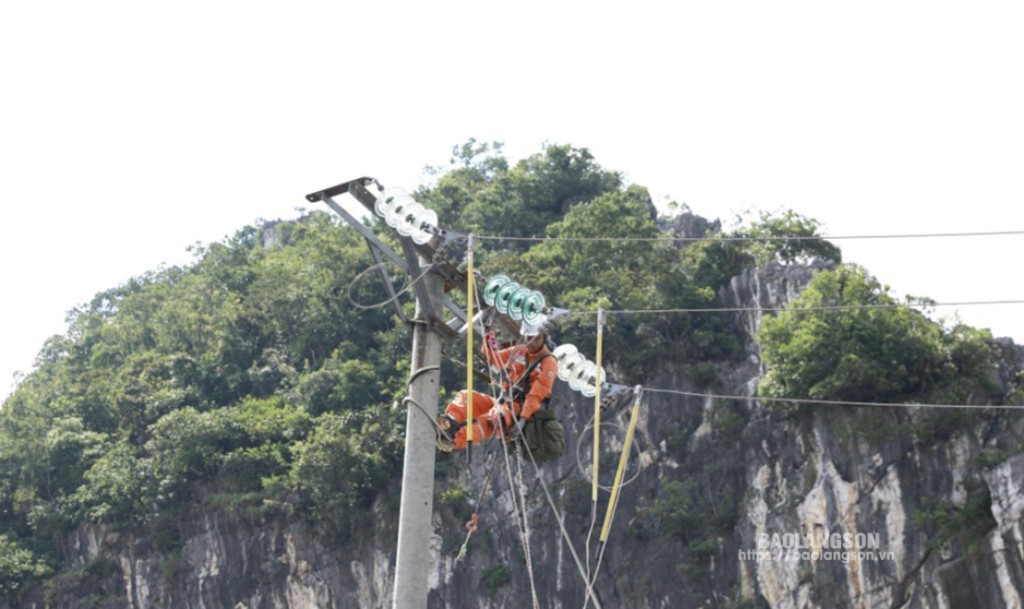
(248, 377)
(842, 339)
(225, 375)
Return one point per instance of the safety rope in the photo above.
(473, 523)
(520, 518)
(416, 373)
(597, 404)
(522, 521)
(560, 519)
(438, 432)
(526, 522)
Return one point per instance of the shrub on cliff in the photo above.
(846, 338)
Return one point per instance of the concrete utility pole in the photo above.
(415, 528)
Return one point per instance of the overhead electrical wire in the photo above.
(819, 308)
(778, 238)
(409, 285)
(756, 398)
(569, 313)
(766, 238)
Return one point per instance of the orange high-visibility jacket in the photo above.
(514, 361)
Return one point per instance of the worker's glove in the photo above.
(492, 341)
(501, 417)
(514, 431)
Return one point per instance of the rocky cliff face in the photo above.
(729, 504)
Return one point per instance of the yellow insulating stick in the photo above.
(597, 406)
(469, 342)
(622, 467)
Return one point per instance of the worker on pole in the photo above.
(527, 374)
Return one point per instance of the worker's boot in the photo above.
(447, 428)
(448, 423)
(444, 443)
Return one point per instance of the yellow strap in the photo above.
(469, 343)
(597, 406)
(622, 467)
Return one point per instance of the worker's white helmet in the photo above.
(537, 327)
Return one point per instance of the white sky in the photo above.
(130, 130)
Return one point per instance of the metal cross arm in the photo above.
(430, 249)
(429, 246)
(340, 189)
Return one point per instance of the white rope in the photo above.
(526, 526)
(560, 518)
(586, 549)
(519, 526)
(471, 526)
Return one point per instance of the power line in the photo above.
(750, 398)
(775, 238)
(819, 308)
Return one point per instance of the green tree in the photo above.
(588, 271)
(19, 567)
(790, 238)
(846, 338)
(473, 166)
(339, 468)
(782, 236)
(341, 384)
(119, 488)
(486, 196)
(624, 270)
(186, 445)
